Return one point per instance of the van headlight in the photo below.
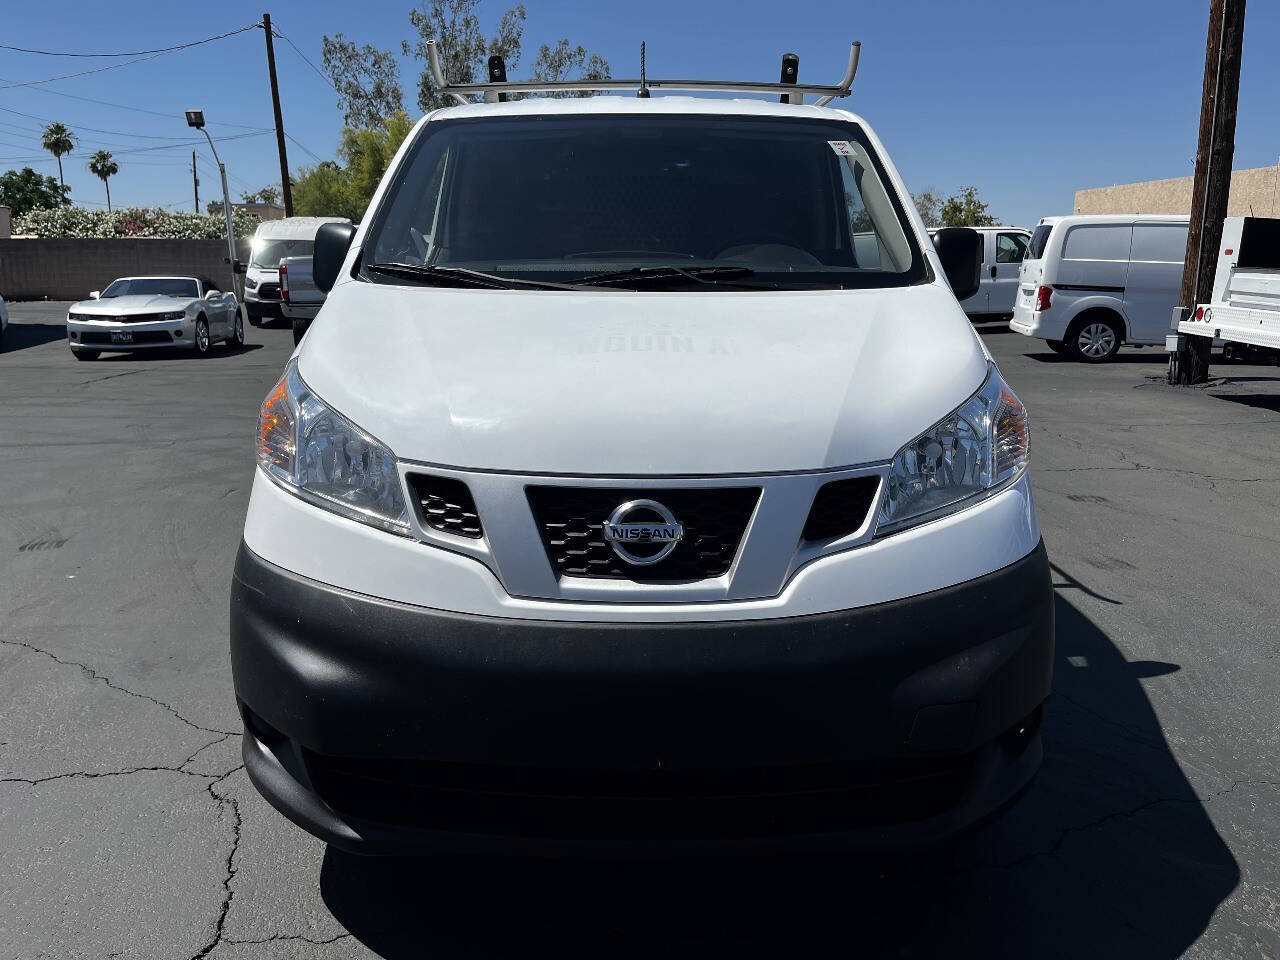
(966, 456)
(324, 458)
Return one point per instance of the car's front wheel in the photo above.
(237, 330)
(202, 336)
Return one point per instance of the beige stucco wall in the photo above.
(1258, 187)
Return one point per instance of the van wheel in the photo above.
(1095, 339)
(1059, 347)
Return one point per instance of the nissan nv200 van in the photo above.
(617, 496)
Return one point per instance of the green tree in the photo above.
(559, 62)
(102, 166)
(929, 204)
(344, 190)
(59, 141)
(367, 80)
(966, 209)
(270, 194)
(454, 26)
(25, 190)
(321, 191)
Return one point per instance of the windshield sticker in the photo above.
(843, 148)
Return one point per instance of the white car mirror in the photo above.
(94, 294)
(213, 294)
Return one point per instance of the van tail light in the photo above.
(284, 283)
(1043, 295)
(1199, 313)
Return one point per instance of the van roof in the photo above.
(1118, 218)
(291, 228)
(632, 104)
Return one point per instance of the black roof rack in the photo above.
(792, 90)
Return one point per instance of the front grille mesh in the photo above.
(268, 291)
(571, 521)
(446, 505)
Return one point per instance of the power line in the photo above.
(312, 153)
(323, 75)
(134, 53)
(81, 73)
(169, 115)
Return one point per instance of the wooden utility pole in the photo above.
(285, 191)
(195, 181)
(1215, 151)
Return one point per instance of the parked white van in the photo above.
(1002, 251)
(273, 241)
(1090, 283)
(618, 492)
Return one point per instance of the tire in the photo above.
(83, 355)
(299, 329)
(1095, 339)
(237, 331)
(255, 321)
(1059, 347)
(201, 340)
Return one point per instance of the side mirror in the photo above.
(960, 250)
(213, 294)
(94, 294)
(238, 266)
(333, 240)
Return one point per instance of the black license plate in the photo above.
(122, 336)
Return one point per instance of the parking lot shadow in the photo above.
(1109, 853)
(21, 336)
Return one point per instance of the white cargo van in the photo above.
(273, 241)
(640, 481)
(1090, 283)
(1002, 251)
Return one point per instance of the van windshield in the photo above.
(786, 203)
(1039, 240)
(269, 253)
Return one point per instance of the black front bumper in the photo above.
(382, 727)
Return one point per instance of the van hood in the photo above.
(627, 383)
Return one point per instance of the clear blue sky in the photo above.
(1029, 101)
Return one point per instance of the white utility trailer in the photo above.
(1244, 309)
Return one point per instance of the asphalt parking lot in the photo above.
(128, 829)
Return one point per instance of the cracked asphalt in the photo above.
(128, 828)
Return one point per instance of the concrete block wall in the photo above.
(1257, 188)
(67, 269)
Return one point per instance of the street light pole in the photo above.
(195, 118)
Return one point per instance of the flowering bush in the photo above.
(131, 222)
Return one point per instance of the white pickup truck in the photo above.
(300, 298)
(1244, 310)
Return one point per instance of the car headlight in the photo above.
(324, 458)
(966, 456)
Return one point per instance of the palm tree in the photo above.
(58, 140)
(102, 166)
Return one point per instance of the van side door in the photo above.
(1010, 250)
(1155, 274)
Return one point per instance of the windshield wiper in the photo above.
(460, 276)
(710, 274)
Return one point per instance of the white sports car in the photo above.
(142, 313)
